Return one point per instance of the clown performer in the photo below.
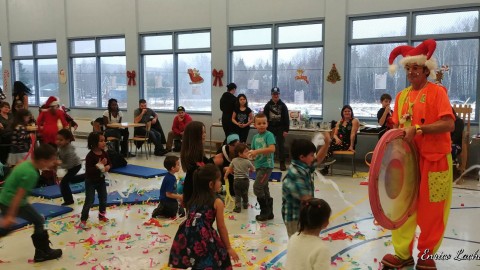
(423, 112)
(51, 120)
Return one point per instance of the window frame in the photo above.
(410, 39)
(175, 51)
(34, 57)
(97, 55)
(275, 46)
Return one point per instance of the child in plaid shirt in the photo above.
(298, 184)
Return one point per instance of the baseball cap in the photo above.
(275, 90)
(180, 108)
(232, 137)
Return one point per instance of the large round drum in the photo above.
(394, 180)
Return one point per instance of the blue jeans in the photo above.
(28, 213)
(70, 178)
(90, 189)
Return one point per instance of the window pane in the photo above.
(47, 48)
(252, 73)
(84, 71)
(114, 80)
(158, 81)
(300, 73)
(47, 79)
(247, 37)
(192, 41)
(23, 50)
(163, 42)
(24, 73)
(300, 33)
(447, 23)
(112, 45)
(194, 81)
(377, 28)
(369, 78)
(83, 46)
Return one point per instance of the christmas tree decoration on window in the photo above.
(195, 77)
(333, 75)
(439, 74)
(301, 77)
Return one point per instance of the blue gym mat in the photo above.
(114, 198)
(52, 192)
(139, 171)
(46, 210)
(274, 177)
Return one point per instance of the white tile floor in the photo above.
(125, 243)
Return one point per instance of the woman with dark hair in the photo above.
(242, 117)
(20, 95)
(227, 106)
(344, 134)
(114, 115)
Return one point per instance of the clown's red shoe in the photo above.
(428, 264)
(393, 261)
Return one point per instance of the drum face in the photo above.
(394, 180)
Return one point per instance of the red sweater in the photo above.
(179, 126)
(47, 122)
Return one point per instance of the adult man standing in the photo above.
(423, 111)
(278, 123)
(144, 115)
(179, 122)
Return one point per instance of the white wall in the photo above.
(60, 20)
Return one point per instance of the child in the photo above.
(263, 149)
(241, 167)
(197, 244)
(14, 203)
(306, 250)
(69, 162)
(298, 184)
(96, 163)
(21, 140)
(242, 117)
(168, 205)
(384, 115)
(192, 155)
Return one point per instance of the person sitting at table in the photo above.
(51, 120)
(6, 119)
(111, 116)
(344, 135)
(179, 122)
(144, 115)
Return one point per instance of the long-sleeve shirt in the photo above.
(21, 140)
(48, 123)
(307, 252)
(179, 126)
(277, 115)
(92, 173)
(68, 156)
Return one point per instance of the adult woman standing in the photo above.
(20, 96)
(227, 105)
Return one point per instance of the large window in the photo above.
(99, 69)
(372, 39)
(176, 70)
(289, 56)
(35, 64)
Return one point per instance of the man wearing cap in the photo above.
(228, 153)
(278, 123)
(227, 105)
(423, 112)
(145, 115)
(179, 122)
(48, 120)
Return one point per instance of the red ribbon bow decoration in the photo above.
(218, 77)
(131, 77)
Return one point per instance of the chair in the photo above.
(345, 153)
(464, 112)
(144, 140)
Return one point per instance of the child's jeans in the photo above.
(90, 189)
(28, 213)
(241, 186)
(260, 187)
(70, 177)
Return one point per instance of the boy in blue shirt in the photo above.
(168, 205)
(263, 149)
(14, 203)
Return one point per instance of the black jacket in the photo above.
(227, 104)
(277, 115)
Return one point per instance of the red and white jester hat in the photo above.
(420, 55)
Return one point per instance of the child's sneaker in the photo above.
(237, 209)
(102, 218)
(83, 225)
(245, 206)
